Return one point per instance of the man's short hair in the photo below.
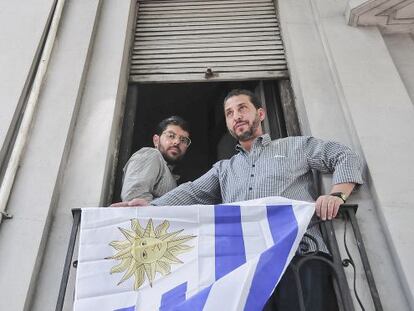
(253, 98)
(173, 120)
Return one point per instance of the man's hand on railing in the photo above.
(133, 202)
(327, 206)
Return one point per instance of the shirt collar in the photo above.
(171, 168)
(262, 140)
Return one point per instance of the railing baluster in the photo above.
(69, 255)
(364, 258)
(342, 283)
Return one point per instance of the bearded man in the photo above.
(148, 173)
(282, 167)
(262, 167)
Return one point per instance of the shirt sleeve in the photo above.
(204, 190)
(141, 175)
(335, 158)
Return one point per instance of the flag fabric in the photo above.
(199, 257)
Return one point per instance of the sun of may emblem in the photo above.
(148, 251)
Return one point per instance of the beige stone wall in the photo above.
(351, 84)
(348, 88)
(70, 152)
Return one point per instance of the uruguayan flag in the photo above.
(201, 257)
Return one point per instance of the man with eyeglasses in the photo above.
(148, 173)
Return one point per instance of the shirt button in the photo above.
(252, 175)
(253, 165)
(250, 188)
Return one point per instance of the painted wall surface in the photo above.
(80, 106)
(348, 88)
(37, 184)
(21, 27)
(94, 141)
(401, 47)
(351, 85)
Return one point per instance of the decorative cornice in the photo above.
(390, 15)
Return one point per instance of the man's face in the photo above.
(242, 118)
(172, 143)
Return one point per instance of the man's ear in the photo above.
(262, 113)
(156, 140)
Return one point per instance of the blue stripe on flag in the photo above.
(229, 243)
(173, 297)
(284, 228)
(132, 308)
(195, 303)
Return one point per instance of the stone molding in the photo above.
(392, 16)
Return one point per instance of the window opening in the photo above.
(201, 104)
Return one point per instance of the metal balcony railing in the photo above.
(335, 263)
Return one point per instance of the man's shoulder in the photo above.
(226, 163)
(309, 144)
(146, 153)
(291, 146)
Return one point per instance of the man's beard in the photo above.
(168, 159)
(172, 161)
(249, 133)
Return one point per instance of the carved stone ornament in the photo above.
(392, 16)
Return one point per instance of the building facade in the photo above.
(351, 68)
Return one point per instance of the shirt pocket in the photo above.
(283, 170)
(291, 168)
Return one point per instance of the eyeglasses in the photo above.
(182, 139)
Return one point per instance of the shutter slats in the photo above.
(210, 64)
(194, 32)
(198, 70)
(196, 14)
(209, 50)
(207, 55)
(241, 26)
(228, 17)
(156, 5)
(226, 59)
(195, 77)
(178, 40)
(181, 22)
(234, 35)
(211, 8)
(245, 40)
(151, 45)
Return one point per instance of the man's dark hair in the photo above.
(253, 98)
(173, 120)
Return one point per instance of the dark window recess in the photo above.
(201, 104)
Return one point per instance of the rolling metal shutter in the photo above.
(199, 40)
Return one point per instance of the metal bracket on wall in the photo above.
(6, 215)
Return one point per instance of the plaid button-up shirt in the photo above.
(281, 167)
